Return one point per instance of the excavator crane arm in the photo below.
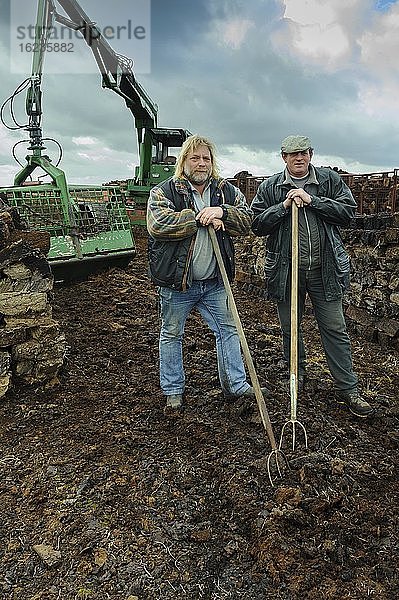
(118, 76)
(116, 70)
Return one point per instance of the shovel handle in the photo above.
(243, 341)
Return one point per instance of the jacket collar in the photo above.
(316, 175)
(182, 185)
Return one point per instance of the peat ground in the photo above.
(104, 496)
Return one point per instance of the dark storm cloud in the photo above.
(235, 71)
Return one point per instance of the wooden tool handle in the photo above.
(244, 345)
(294, 299)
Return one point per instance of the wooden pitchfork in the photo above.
(294, 331)
(277, 454)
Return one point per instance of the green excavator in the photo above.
(90, 227)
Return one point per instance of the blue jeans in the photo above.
(332, 327)
(210, 298)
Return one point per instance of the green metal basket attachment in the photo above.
(91, 223)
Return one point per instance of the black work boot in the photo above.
(174, 401)
(250, 392)
(353, 400)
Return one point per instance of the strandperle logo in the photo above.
(109, 32)
(125, 26)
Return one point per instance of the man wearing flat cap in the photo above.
(325, 202)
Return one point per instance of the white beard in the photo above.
(197, 178)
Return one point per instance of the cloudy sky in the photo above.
(244, 72)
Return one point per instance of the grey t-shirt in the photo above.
(204, 260)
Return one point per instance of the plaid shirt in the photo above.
(165, 222)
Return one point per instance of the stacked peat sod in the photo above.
(250, 253)
(32, 347)
(372, 303)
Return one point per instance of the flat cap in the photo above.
(295, 143)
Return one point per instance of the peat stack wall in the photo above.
(32, 346)
(372, 303)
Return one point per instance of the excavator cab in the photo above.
(165, 145)
(164, 141)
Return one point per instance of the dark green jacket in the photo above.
(333, 204)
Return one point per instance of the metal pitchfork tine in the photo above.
(276, 452)
(294, 333)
